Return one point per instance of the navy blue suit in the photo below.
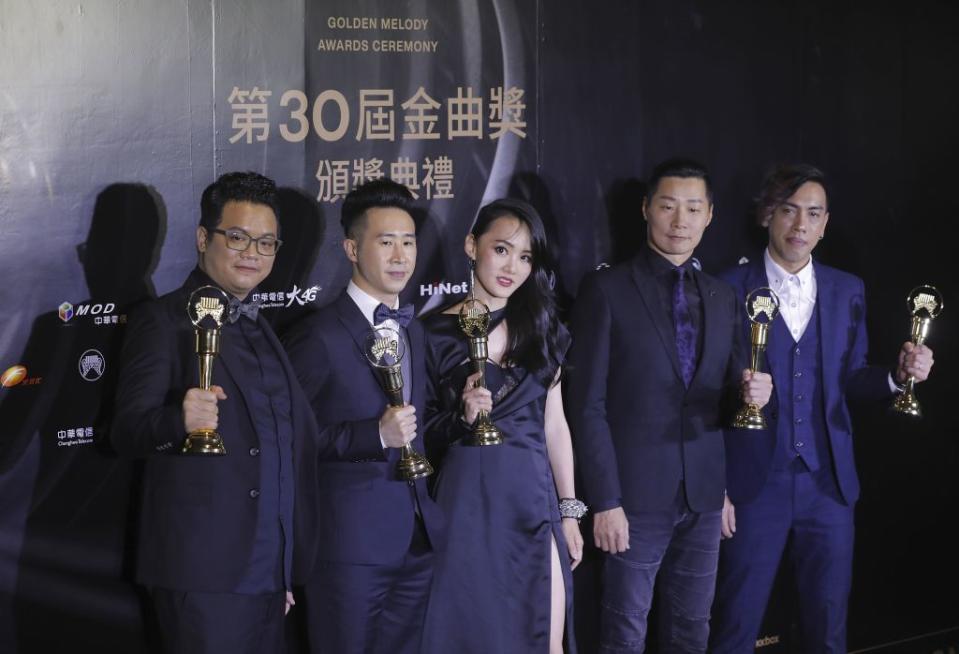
(647, 443)
(794, 486)
(376, 531)
(200, 515)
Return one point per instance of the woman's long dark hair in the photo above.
(534, 333)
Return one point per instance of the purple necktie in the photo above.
(685, 330)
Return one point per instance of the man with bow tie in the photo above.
(376, 532)
(220, 542)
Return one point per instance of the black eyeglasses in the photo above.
(237, 239)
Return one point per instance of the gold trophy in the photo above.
(474, 322)
(925, 303)
(207, 308)
(385, 349)
(762, 305)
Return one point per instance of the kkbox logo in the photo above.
(91, 365)
(67, 311)
(766, 641)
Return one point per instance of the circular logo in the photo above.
(13, 376)
(91, 365)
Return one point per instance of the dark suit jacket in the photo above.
(365, 513)
(842, 328)
(638, 431)
(198, 517)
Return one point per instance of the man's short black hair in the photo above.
(679, 167)
(383, 193)
(236, 187)
(779, 185)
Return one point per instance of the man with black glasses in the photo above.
(216, 532)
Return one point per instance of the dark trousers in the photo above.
(213, 623)
(371, 609)
(799, 514)
(680, 546)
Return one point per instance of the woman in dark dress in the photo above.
(503, 583)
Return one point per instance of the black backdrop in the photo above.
(115, 115)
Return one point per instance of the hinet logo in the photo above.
(443, 288)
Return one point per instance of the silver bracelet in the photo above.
(570, 507)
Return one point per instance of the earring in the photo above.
(472, 267)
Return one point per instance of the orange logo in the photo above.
(13, 376)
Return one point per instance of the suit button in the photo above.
(254, 451)
(254, 493)
(798, 397)
(799, 374)
(798, 421)
(797, 351)
(799, 444)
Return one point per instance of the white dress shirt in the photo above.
(797, 294)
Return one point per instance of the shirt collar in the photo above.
(660, 265)
(365, 302)
(777, 275)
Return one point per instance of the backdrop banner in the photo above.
(115, 115)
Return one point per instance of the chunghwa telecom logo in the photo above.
(91, 365)
(74, 436)
(278, 299)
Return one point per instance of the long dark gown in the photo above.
(491, 584)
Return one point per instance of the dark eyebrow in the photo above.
(795, 206)
(240, 229)
(395, 234)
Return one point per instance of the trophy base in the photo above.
(203, 442)
(907, 405)
(487, 434)
(413, 466)
(749, 418)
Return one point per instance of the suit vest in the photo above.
(801, 427)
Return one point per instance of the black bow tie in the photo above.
(403, 315)
(237, 309)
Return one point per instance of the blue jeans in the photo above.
(684, 547)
